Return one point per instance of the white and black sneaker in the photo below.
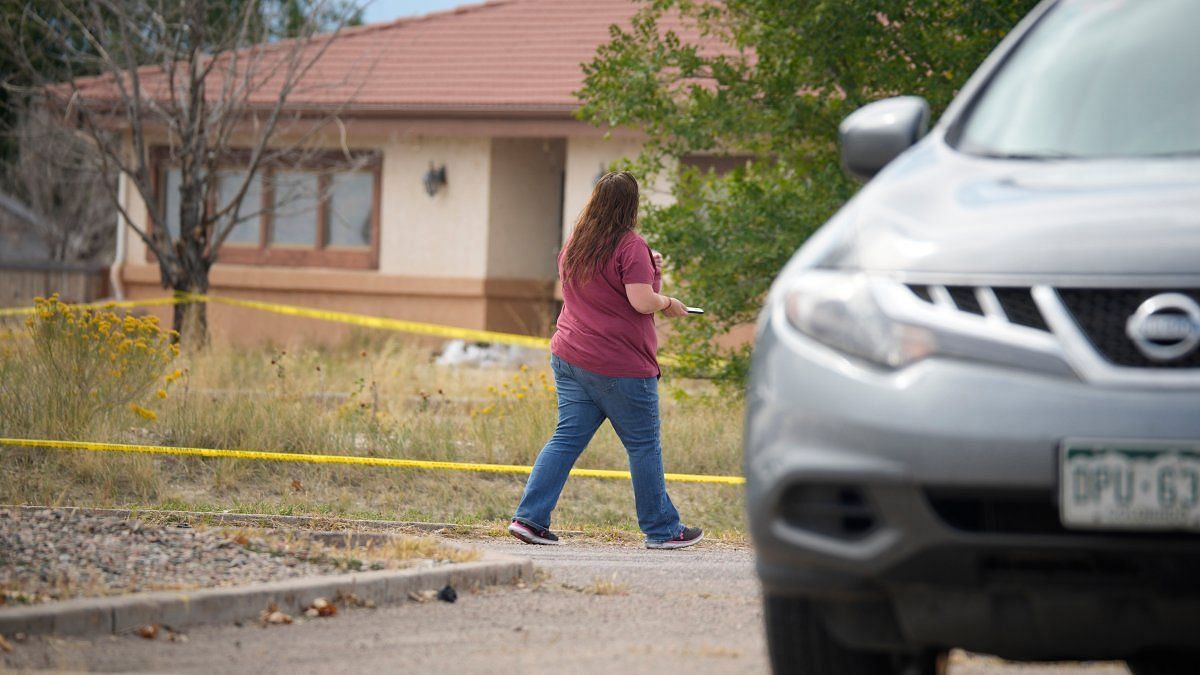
(532, 534)
(687, 537)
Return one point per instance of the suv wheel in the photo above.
(1163, 663)
(799, 643)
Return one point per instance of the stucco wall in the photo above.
(587, 156)
(524, 234)
(135, 206)
(447, 235)
(479, 253)
(441, 236)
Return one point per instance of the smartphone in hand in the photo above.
(694, 310)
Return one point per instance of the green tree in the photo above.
(768, 81)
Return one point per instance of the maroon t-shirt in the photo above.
(598, 330)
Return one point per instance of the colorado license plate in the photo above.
(1131, 486)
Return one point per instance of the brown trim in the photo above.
(377, 214)
(518, 289)
(280, 256)
(399, 123)
(274, 279)
(266, 195)
(268, 254)
(401, 126)
(323, 211)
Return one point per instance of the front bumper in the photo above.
(957, 463)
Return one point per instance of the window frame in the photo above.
(264, 253)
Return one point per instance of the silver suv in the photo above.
(973, 417)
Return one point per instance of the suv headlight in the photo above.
(843, 311)
(880, 320)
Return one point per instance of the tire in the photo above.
(1164, 663)
(799, 644)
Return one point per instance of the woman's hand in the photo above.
(675, 309)
(645, 300)
(657, 258)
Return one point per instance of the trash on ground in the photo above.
(320, 607)
(272, 616)
(487, 355)
(422, 596)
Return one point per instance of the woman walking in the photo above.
(604, 358)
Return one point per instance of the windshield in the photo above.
(1095, 78)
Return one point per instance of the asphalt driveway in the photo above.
(595, 608)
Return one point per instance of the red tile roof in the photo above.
(502, 55)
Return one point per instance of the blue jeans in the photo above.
(585, 400)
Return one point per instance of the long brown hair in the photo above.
(611, 212)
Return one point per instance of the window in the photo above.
(315, 213)
(1094, 80)
(296, 196)
(350, 210)
(170, 199)
(246, 231)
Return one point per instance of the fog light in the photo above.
(838, 511)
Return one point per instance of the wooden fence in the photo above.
(20, 282)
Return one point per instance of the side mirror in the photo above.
(878, 132)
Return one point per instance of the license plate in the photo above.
(1129, 486)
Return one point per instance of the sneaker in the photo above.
(689, 536)
(531, 534)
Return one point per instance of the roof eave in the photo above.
(522, 110)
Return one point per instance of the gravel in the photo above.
(694, 611)
(48, 555)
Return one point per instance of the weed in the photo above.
(373, 396)
(79, 365)
(602, 586)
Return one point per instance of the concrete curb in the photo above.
(122, 614)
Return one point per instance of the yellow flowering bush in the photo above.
(522, 387)
(517, 417)
(82, 363)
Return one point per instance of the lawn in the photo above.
(377, 394)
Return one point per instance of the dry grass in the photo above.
(377, 395)
(391, 552)
(603, 586)
(67, 369)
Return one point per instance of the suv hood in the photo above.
(934, 210)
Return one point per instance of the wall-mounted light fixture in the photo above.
(434, 179)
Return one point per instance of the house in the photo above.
(28, 267)
(477, 169)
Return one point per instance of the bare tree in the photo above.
(56, 178)
(200, 79)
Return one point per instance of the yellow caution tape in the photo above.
(344, 459)
(123, 304)
(448, 332)
(378, 322)
(416, 327)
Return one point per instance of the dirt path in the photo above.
(597, 609)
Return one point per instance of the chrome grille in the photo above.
(1101, 315)
(965, 299)
(1020, 308)
(1012, 304)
